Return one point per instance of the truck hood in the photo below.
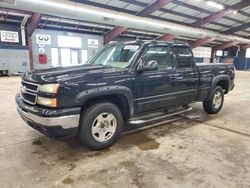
(62, 74)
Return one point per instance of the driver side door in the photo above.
(157, 85)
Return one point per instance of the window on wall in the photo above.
(219, 53)
(184, 57)
(248, 53)
(65, 57)
(84, 56)
(69, 42)
(54, 57)
(74, 57)
(204, 52)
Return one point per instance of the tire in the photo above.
(100, 126)
(214, 105)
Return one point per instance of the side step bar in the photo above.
(142, 128)
(137, 121)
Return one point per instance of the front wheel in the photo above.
(215, 104)
(100, 126)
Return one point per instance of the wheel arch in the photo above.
(220, 80)
(118, 95)
(224, 83)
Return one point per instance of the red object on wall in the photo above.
(43, 59)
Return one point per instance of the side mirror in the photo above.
(150, 65)
(147, 66)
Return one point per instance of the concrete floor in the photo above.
(198, 150)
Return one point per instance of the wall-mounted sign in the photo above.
(41, 50)
(9, 36)
(69, 42)
(43, 39)
(93, 43)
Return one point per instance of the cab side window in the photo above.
(160, 54)
(184, 57)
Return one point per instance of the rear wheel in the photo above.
(215, 104)
(100, 126)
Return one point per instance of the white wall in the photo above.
(13, 59)
(54, 44)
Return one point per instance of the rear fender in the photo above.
(215, 83)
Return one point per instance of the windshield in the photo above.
(117, 55)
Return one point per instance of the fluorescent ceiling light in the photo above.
(215, 5)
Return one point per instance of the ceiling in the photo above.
(186, 12)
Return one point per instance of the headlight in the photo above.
(49, 88)
(46, 101)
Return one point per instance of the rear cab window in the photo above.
(183, 56)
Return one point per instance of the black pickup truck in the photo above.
(122, 84)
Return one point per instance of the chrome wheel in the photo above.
(217, 100)
(104, 127)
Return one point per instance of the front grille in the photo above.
(29, 92)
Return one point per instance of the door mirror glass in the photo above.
(150, 65)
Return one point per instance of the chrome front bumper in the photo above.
(66, 122)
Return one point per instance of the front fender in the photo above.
(82, 97)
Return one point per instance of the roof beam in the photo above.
(145, 12)
(216, 16)
(239, 28)
(245, 46)
(110, 35)
(33, 23)
(157, 5)
(167, 37)
(221, 47)
(204, 10)
(142, 4)
(31, 26)
(225, 45)
(242, 4)
(186, 15)
(31, 53)
(221, 14)
(201, 42)
(211, 18)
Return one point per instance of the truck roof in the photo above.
(173, 43)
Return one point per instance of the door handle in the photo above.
(173, 77)
(179, 77)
